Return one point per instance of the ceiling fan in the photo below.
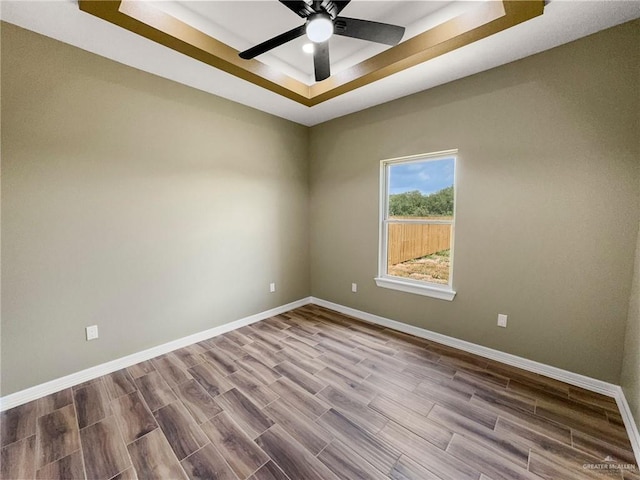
(322, 21)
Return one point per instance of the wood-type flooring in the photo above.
(313, 394)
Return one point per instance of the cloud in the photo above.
(427, 176)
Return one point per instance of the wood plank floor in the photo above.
(313, 394)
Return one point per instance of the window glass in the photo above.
(418, 219)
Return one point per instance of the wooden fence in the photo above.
(409, 240)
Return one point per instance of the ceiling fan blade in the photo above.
(321, 64)
(368, 30)
(340, 4)
(273, 43)
(299, 7)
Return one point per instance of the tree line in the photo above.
(415, 204)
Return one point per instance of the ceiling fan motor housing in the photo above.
(328, 7)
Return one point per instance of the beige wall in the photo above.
(630, 380)
(155, 211)
(548, 202)
(128, 201)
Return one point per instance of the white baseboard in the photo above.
(588, 383)
(44, 389)
(576, 379)
(629, 423)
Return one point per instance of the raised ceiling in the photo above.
(242, 24)
(479, 20)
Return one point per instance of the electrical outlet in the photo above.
(502, 320)
(92, 332)
(272, 287)
(354, 287)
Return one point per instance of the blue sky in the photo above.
(427, 177)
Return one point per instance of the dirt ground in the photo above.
(432, 268)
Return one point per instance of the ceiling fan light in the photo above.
(319, 28)
(308, 48)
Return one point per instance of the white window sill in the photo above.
(443, 293)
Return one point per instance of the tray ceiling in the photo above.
(241, 24)
(188, 35)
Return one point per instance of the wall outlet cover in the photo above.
(92, 332)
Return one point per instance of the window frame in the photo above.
(419, 287)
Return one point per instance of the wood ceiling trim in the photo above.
(482, 21)
(148, 21)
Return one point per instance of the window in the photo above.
(417, 218)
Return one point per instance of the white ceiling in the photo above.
(242, 24)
